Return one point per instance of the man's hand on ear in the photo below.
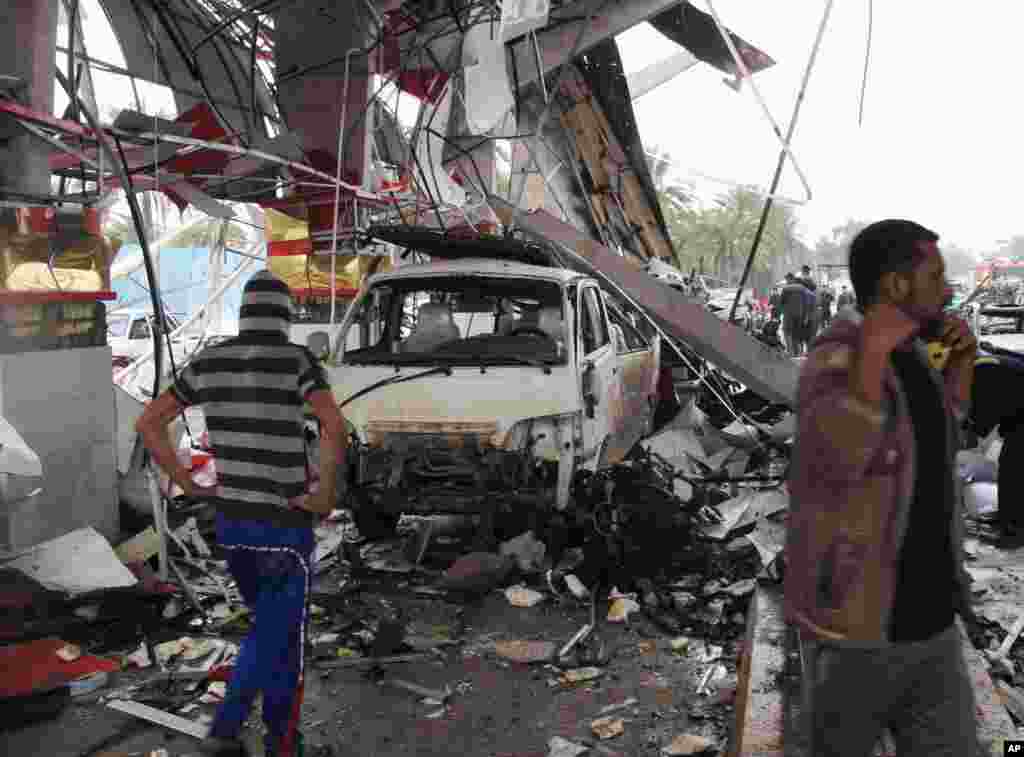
(957, 335)
(886, 327)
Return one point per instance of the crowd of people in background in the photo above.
(801, 308)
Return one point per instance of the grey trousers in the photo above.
(920, 691)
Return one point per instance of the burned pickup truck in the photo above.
(484, 381)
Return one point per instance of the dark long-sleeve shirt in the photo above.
(925, 599)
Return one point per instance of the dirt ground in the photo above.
(497, 708)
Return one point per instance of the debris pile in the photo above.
(648, 574)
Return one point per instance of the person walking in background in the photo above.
(874, 573)
(812, 321)
(997, 400)
(252, 389)
(825, 299)
(794, 303)
(845, 300)
(807, 279)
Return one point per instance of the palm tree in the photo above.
(660, 162)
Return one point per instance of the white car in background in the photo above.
(130, 336)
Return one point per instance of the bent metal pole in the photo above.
(783, 153)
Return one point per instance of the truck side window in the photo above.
(595, 335)
(634, 339)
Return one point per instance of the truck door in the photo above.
(638, 367)
(600, 384)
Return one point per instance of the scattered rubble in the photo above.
(559, 747)
(607, 728)
(580, 675)
(526, 550)
(520, 596)
(477, 573)
(576, 587)
(609, 709)
(525, 651)
(687, 744)
(621, 609)
(693, 498)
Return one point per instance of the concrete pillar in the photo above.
(62, 403)
(28, 36)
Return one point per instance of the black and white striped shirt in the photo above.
(252, 389)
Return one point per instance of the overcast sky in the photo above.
(940, 141)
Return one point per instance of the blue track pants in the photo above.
(271, 566)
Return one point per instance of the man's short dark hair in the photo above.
(883, 247)
(790, 277)
(806, 268)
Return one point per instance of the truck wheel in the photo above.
(376, 525)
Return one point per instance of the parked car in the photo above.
(479, 384)
(130, 336)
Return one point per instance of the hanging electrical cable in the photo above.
(120, 165)
(867, 59)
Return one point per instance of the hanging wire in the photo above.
(160, 315)
(867, 60)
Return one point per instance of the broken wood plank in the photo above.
(994, 724)
(1013, 699)
(165, 719)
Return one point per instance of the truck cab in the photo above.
(479, 384)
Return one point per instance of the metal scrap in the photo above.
(711, 675)
(423, 691)
(559, 747)
(389, 660)
(166, 719)
(580, 675)
(609, 709)
(577, 638)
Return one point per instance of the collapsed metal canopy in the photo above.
(238, 67)
(185, 45)
(441, 246)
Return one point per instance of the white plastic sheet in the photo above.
(430, 151)
(76, 563)
(16, 457)
(981, 498)
(488, 94)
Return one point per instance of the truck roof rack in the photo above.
(441, 246)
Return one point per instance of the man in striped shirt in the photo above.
(252, 390)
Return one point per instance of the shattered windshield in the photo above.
(465, 320)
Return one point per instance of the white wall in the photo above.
(62, 403)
